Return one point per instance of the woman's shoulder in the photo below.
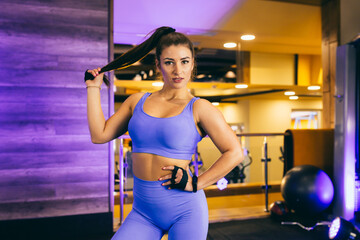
(201, 102)
(135, 96)
(203, 106)
(133, 99)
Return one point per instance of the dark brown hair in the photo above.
(173, 38)
(137, 53)
(161, 38)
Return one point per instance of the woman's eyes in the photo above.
(170, 62)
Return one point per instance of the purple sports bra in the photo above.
(173, 137)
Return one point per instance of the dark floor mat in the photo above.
(261, 229)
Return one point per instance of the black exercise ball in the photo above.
(307, 189)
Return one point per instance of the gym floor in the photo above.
(224, 208)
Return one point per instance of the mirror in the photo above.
(252, 83)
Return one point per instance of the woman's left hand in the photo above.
(179, 176)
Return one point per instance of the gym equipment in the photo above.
(279, 210)
(307, 228)
(266, 160)
(238, 173)
(307, 189)
(341, 229)
(196, 162)
(222, 184)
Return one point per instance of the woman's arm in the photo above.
(211, 120)
(213, 123)
(102, 130)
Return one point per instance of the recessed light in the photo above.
(157, 84)
(293, 97)
(289, 93)
(247, 37)
(313, 87)
(241, 86)
(230, 74)
(230, 45)
(151, 73)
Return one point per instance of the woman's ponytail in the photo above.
(133, 55)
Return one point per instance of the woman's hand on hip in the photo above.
(178, 176)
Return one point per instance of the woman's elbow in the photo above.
(238, 155)
(97, 140)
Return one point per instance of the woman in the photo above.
(165, 127)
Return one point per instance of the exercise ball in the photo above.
(307, 189)
(279, 210)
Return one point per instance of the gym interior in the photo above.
(284, 73)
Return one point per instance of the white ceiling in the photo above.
(279, 27)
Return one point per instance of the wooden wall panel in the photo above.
(310, 146)
(30, 78)
(47, 144)
(48, 165)
(330, 17)
(64, 96)
(40, 176)
(56, 207)
(26, 160)
(88, 5)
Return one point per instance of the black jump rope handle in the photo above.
(89, 76)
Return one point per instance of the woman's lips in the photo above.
(178, 80)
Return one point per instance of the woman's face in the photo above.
(176, 65)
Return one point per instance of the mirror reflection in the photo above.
(262, 86)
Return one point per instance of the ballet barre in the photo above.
(265, 159)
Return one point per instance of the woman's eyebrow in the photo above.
(167, 58)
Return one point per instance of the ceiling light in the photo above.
(247, 37)
(215, 103)
(289, 93)
(230, 74)
(157, 84)
(151, 73)
(293, 97)
(137, 77)
(230, 45)
(143, 75)
(241, 86)
(313, 87)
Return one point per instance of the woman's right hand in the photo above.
(98, 78)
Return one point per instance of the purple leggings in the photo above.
(157, 210)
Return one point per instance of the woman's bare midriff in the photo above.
(148, 166)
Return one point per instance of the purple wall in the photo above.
(48, 165)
